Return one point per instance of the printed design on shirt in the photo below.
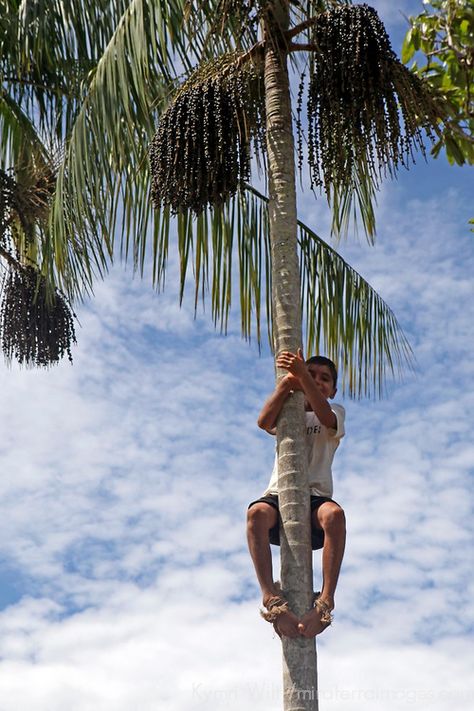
(314, 429)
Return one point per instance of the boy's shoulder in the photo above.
(340, 412)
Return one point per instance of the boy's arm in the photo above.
(318, 402)
(296, 366)
(271, 409)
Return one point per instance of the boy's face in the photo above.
(322, 377)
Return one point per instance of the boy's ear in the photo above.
(334, 393)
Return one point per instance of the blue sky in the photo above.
(125, 578)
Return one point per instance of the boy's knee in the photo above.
(333, 517)
(261, 515)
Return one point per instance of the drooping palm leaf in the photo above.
(91, 75)
(227, 249)
(109, 138)
(345, 318)
(20, 142)
(105, 164)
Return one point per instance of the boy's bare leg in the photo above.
(330, 517)
(261, 518)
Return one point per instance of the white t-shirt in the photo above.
(321, 444)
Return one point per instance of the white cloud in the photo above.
(146, 651)
(124, 488)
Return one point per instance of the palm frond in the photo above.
(105, 164)
(225, 250)
(20, 142)
(91, 77)
(346, 319)
(354, 203)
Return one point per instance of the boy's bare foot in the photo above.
(279, 614)
(317, 619)
(287, 624)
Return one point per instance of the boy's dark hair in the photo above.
(322, 360)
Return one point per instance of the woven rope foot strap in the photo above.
(324, 611)
(275, 606)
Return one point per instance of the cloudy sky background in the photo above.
(125, 580)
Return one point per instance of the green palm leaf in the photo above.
(346, 319)
(104, 165)
(102, 108)
(19, 139)
(225, 250)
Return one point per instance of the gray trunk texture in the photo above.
(299, 655)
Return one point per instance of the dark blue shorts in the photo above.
(317, 534)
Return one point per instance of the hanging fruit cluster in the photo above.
(357, 91)
(36, 324)
(36, 329)
(201, 152)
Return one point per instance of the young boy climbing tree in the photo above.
(317, 378)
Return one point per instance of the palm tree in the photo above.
(83, 86)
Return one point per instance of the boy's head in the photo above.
(322, 360)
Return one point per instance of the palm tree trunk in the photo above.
(299, 655)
